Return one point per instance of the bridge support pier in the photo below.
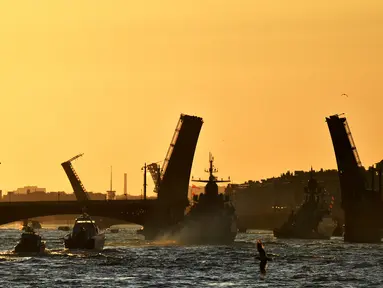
(361, 225)
(361, 206)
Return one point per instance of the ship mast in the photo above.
(211, 170)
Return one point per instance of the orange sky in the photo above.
(110, 79)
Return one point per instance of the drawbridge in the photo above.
(172, 179)
(74, 179)
(361, 206)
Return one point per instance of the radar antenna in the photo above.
(211, 172)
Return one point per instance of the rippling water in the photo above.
(130, 261)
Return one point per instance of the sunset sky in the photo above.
(111, 78)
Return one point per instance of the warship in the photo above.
(304, 223)
(211, 218)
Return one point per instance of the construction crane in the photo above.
(155, 172)
(74, 179)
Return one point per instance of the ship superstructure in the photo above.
(30, 242)
(211, 218)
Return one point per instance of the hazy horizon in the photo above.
(110, 80)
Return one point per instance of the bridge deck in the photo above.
(134, 211)
(81, 203)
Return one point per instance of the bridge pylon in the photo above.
(361, 206)
(172, 180)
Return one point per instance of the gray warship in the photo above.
(211, 218)
(304, 223)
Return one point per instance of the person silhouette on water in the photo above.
(262, 256)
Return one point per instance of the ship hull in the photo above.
(196, 231)
(208, 231)
(31, 247)
(95, 243)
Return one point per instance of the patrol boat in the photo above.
(30, 242)
(85, 235)
(212, 218)
(304, 223)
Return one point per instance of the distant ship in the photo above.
(85, 235)
(36, 224)
(304, 223)
(339, 230)
(63, 228)
(30, 242)
(212, 218)
(114, 230)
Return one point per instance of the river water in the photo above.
(129, 261)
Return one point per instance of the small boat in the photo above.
(30, 242)
(63, 228)
(114, 230)
(242, 229)
(36, 224)
(140, 231)
(31, 223)
(339, 230)
(85, 235)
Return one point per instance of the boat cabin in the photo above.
(85, 223)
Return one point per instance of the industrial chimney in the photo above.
(125, 187)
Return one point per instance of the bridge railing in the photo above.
(352, 143)
(171, 147)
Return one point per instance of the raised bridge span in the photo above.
(362, 206)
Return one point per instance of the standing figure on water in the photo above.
(263, 257)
